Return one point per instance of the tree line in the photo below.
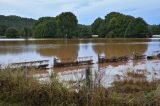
(65, 25)
(14, 26)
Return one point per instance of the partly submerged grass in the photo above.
(134, 90)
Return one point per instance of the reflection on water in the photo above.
(31, 50)
(22, 50)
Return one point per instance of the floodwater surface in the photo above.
(31, 50)
(13, 50)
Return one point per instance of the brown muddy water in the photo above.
(19, 50)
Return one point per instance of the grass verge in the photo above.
(132, 90)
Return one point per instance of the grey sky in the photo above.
(85, 10)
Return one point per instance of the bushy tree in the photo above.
(64, 25)
(45, 27)
(84, 31)
(67, 24)
(26, 33)
(119, 25)
(137, 29)
(154, 29)
(96, 26)
(11, 33)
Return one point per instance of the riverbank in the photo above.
(1, 39)
(131, 89)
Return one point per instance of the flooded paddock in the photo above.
(13, 51)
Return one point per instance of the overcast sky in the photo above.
(85, 10)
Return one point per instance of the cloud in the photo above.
(85, 10)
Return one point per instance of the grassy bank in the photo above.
(131, 90)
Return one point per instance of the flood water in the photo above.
(13, 50)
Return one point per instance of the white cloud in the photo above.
(85, 10)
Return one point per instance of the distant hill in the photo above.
(17, 22)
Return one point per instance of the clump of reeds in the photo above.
(134, 89)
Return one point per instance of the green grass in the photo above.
(18, 90)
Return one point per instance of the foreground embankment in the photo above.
(132, 89)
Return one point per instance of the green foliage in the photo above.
(22, 25)
(119, 25)
(64, 25)
(17, 22)
(45, 27)
(2, 30)
(43, 19)
(138, 28)
(11, 33)
(84, 31)
(97, 26)
(67, 24)
(155, 29)
(25, 33)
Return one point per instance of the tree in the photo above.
(2, 30)
(119, 25)
(16, 22)
(11, 33)
(154, 29)
(43, 19)
(84, 31)
(45, 28)
(25, 33)
(138, 29)
(67, 24)
(96, 26)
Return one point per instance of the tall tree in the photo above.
(96, 25)
(45, 27)
(137, 29)
(67, 24)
